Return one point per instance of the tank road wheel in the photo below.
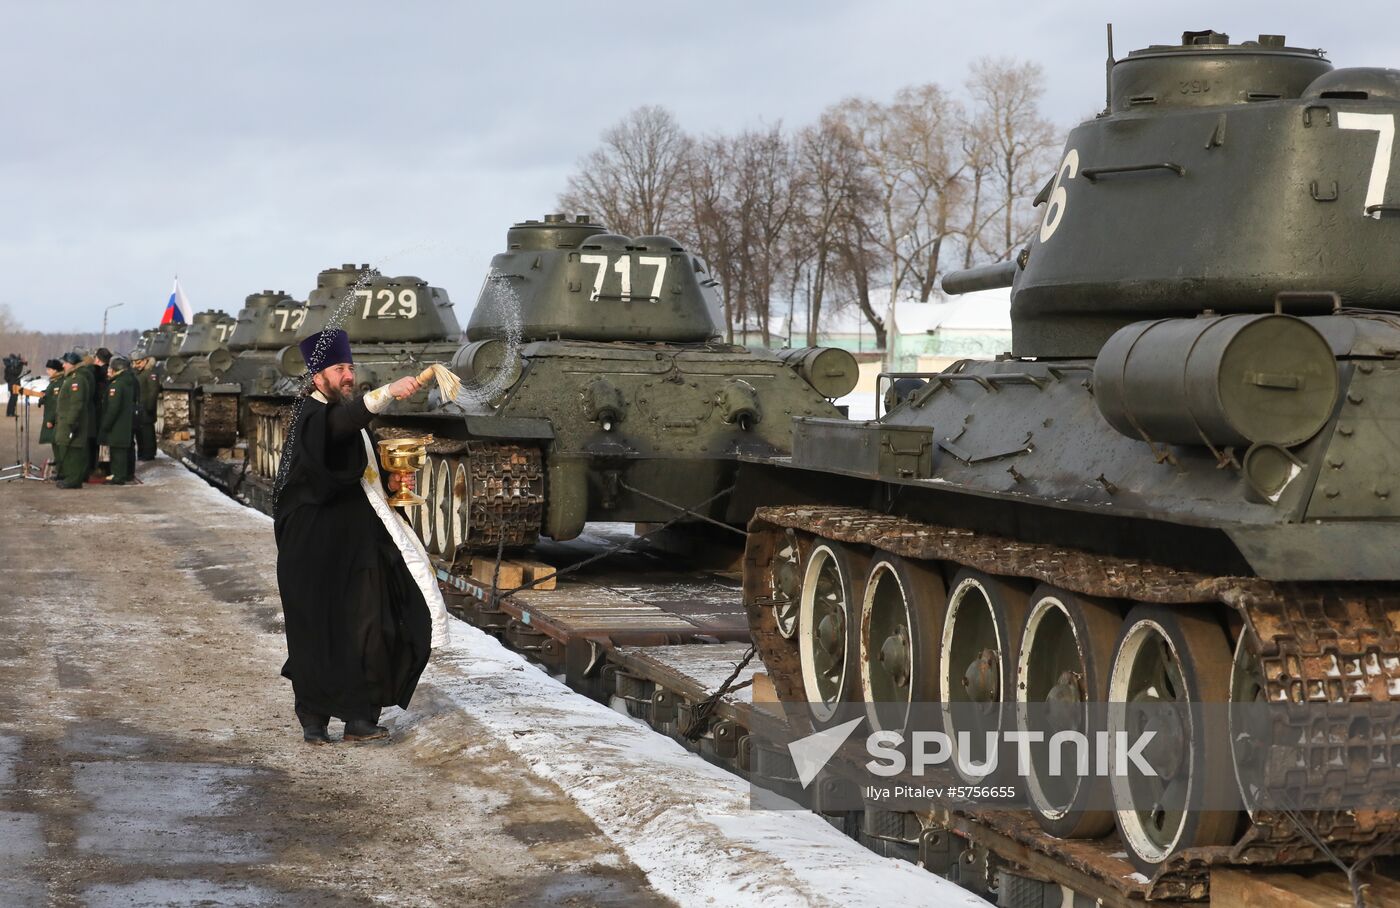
(444, 509)
(977, 663)
(263, 461)
(255, 451)
(279, 442)
(826, 640)
(267, 427)
(418, 516)
(430, 512)
(461, 500)
(1062, 680)
(787, 586)
(901, 617)
(1251, 731)
(1167, 660)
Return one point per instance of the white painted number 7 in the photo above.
(1384, 127)
(623, 267)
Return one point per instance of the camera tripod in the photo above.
(22, 468)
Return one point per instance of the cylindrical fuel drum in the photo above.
(218, 360)
(1226, 380)
(291, 362)
(490, 361)
(833, 372)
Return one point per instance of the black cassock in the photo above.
(358, 629)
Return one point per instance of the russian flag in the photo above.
(178, 309)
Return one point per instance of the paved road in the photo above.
(149, 755)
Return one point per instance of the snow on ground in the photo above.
(685, 823)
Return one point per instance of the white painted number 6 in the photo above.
(1055, 210)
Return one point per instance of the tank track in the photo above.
(1318, 643)
(217, 425)
(505, 489)
(175, 411)
(270, 424)
(506, 494)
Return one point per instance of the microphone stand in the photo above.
(22, 468)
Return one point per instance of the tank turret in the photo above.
(203, 350)
(269, 319)
(1219, 176)
(165, 340)
(573, 280)
(374, 308)
(143, 344)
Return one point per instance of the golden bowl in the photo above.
(405, 457)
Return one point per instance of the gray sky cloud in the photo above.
(250, 145)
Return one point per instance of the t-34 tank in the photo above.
(163, 341)
(143, 344)
(1181, 486)
(267, 323)
(603, 393)
(397, 326)
(202, 351)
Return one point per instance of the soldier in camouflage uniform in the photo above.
(148, 380)
(76, 421)
(118, 418)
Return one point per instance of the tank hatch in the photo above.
(556, 231)
(1206, 70)
(574, 280)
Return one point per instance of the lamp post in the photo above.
(104, 322)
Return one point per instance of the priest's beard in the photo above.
(338, 394)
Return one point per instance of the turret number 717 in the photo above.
(623, 267)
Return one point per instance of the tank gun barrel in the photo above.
(983, 277)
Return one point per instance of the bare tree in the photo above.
(765, 200)
(910, 149)
(706, 221)
(836, 198)
(976, 143)
(632, 181)
(1020, 141)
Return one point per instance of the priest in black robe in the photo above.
(361, 605)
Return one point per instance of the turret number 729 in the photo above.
(623, 267)
(385, 304)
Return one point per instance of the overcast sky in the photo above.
(248, 145)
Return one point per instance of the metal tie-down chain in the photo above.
(700, 718)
